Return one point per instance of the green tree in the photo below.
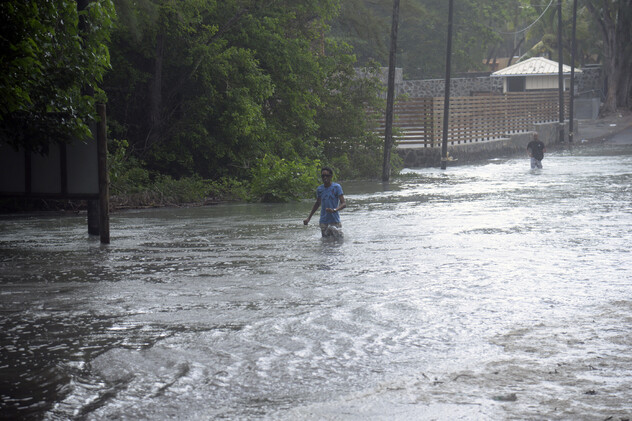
(206, 87)
(344, 120)
(614, 19)
(53, 58)
(541, 38)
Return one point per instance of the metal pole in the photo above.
(104, 194)
(446, 101)
(571, 111)
(390, 96)
(560, 82)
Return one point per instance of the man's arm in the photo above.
(314, 209)
(341, 205)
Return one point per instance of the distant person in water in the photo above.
(330, 199)
(536, 150)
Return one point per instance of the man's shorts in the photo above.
(536, 163)
(331, 230)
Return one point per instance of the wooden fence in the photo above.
(419, 121)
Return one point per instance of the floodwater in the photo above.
(483, 292)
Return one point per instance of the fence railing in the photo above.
(419, 121)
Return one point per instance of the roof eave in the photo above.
(532, 74)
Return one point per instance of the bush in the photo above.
(363, 160)
(127, 175)
(279, 180)
(131, 185)
(226, 189)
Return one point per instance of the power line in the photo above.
(528, 27)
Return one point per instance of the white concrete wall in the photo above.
(545, 82)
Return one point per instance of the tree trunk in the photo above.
(515, 50)
(625, 92)
(491, 55)
(624, 52)
(614, 20)
(612, 78)
(155, 96)
(623, 89)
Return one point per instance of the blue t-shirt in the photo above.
(329, 199)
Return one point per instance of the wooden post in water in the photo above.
(94, 222)
(104, 194)
(93, 217)
(446, 102)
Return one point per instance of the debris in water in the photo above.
(506, 398)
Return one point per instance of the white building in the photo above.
(536, 73)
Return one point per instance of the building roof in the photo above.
(535, 66)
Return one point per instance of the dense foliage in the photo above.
(209, 88)
(277, 180)
(52, 62)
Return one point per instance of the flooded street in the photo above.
(486, 291)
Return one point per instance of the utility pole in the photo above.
(390, 96)
(560, 59)
(104, 179)
(571, 111)
(446, 101)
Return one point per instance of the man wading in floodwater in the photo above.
(330, 198)
(536, 150)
